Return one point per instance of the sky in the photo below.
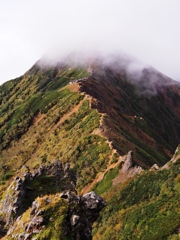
(146, 29)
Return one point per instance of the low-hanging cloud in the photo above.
(147, 79)
(146, 30)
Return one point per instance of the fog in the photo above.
(146, 30)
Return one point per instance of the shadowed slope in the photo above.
(141, 114)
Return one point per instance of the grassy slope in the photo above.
(42, 120)
(51, 124)
(146, 207)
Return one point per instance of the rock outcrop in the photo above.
(13, 207)
(128, 162)
(80, 213)
(17, 193)
(83, 216)
(130, 167)
(154, 167)
(174, 159)
(24, 205)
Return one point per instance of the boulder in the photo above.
(93, 201)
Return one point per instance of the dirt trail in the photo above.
(67, 115)
(100, 177)
(38, 118)
(74, 87)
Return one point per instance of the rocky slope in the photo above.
(32, 204)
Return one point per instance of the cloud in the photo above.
(146, 29)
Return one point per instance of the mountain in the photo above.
(98, 124)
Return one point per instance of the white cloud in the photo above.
(146, 29)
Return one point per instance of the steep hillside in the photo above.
(109, 124)
(141, 112)
(146, 207)
(44, 204)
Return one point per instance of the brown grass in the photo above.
(73, 87)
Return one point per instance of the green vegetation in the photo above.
(105, 184)
(7, 176)
(92, 157)
(144, 208)
(114, 158)
(24, 97)
(54, 213)
(177, 151)
(43, 119)
(54, 123)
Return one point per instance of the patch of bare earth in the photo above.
(120, 178)
(38, 118)
(73, 87)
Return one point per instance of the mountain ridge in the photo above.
(106, 123)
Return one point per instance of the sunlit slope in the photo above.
(43, 117)
(92, 116)
(50, 124)
(146, 207)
